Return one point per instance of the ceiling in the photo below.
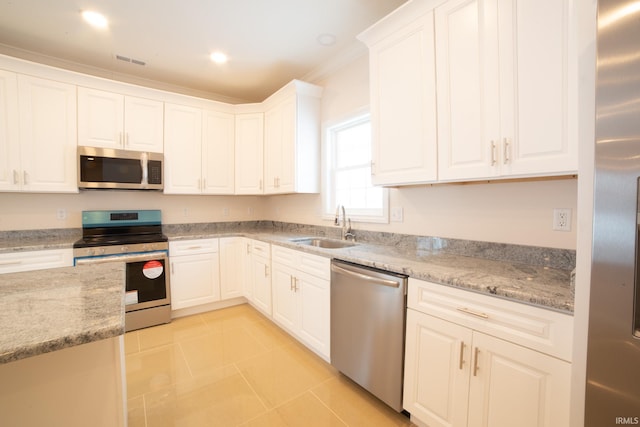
(268, 42)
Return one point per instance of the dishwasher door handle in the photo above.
(376, 280)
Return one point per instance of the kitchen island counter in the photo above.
(47, 310)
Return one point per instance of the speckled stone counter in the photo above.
(48, 310)
(532, 275)
(541, 283)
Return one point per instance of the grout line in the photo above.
(327, 406)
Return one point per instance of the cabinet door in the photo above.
(232, 258)
(261, 275)
(437, 366)
(183, 144)
(517, 386)
(10, 168)
(285, 303)
(100, 118)
(194, 280)
(48, 135)
(403, 110)
(468, 96)
(273, 147)
(534, 52)
(143, 124)
(314, 312)
(249, 137)
(218, 153)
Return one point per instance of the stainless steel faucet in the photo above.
(347, 232)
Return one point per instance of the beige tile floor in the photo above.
(233, 367)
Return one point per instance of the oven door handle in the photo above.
(123, 258)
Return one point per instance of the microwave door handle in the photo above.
(144, 162)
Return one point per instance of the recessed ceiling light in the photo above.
(219, 57)
(326, 39)
(95, 19)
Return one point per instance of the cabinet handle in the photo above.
(260, 185)
(295, 284)
(476, 352)
(373, 167)
(493, 153)
(291, 279)
(16, 177)
(25, 178)
(473, 313)
(173, 268)
(266, 271)
(505, 150)
(204, 183)
(194, 247)
(248, 249)
(126, 139)
(120, 139)
(461, 355)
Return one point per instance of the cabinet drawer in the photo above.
(311, 264)
(543, 330)
(286, 256)
(315, 265)
(35, 260)
(192, 247)
(260, 248)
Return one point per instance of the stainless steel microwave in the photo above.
(107, 168)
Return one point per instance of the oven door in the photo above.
(147, 278)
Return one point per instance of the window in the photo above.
(348, 167)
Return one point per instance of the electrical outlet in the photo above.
(397, 214)
(225, 211)
(562, 219)
(185, 212)
(250, 211)
(61, 214)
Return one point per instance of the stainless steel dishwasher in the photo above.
(367, 328)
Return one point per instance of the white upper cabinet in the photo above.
(218, 156)
(199, 153)
(183, 147)
(292, 139)
(403, 96)
(112, 120)
(249, 148)
(47, 141)
(502, 86)
(10, 166)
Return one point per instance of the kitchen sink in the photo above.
(324, 243)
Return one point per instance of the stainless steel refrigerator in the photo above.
(613, 354)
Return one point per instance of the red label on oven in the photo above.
(152, 269)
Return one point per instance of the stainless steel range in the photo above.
(135, 238)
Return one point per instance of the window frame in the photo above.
(328, 175)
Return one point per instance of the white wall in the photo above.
(25, 211)
(507, 212)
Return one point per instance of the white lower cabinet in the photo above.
(14, 262)
(232, 267)
(460, 372)
(301, 297)
(258, 285)
(195, 272)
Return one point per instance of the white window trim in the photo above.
(329, 211)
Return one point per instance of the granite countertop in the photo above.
(48, 310)
(545, 287)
